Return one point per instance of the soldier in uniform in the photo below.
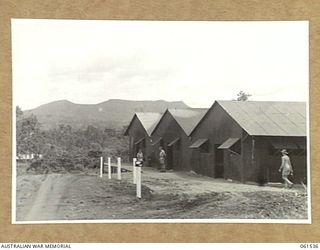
(139, 161)
(286, 168)
(162, 159)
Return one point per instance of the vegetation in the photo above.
(28, 133)
(66, 149)
(242, 96)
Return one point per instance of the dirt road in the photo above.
(47, 199)
(165, 195)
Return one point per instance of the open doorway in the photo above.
(218, 162)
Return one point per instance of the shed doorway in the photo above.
(218, 162)
(139, 144)
(200, 158)
(173, 154)
(169, 158)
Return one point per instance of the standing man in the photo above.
(286, 168)
(139, 161)
(162, 159)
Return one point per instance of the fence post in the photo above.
(101, 166)
(138, 169)
(134, 171)
(119, 168)
(109, 167)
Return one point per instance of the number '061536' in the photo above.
(309, 246)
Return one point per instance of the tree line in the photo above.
(64, 148)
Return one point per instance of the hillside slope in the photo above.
(110, 114)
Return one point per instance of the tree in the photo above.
(242, 96)
(95, 150)
(28, 137)
(19, 113)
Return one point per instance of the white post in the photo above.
(138, 169)
(109, 167)
(101, 166)
(134, 171)
(119, 168)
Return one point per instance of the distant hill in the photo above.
(113, 113)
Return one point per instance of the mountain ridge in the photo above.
(113, 113)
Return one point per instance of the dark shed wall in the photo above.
(217, 126)
(136, 132)
(269, 159)
(249, 155)
(257, 161)
(177, 155)
(261, 161)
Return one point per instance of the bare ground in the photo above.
(170, 195)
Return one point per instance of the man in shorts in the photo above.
(286, 168)
(162, 159)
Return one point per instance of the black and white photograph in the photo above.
(118, 121)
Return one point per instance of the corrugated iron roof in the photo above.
(268, 118)
(138, 141)
(188, 118)
(284, 145)
(156, 141)
(148, 120)
(173, 142)
(228, 143)
(198, 143)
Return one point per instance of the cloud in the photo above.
(197, 62)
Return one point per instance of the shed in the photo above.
(172, 133)
(139, 132)
(241, 140)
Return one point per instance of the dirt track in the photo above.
(46, 201)
(170, 195)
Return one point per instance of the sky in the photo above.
(87, 61)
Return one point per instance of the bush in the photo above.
(63, 149)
